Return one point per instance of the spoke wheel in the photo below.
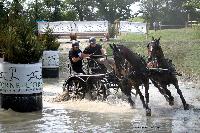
(75, 88)
(98, 90)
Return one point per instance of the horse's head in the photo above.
(120, 61)
(154, 49)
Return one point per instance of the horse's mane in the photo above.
(166, 62)
(135, 59)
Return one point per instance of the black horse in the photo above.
(137, 74)
(165, 74)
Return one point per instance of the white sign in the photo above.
(91, 26)
(20, 78)
(50, 59)
(57, 27)
(134, 27)
(60, 27)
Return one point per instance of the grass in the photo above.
(182, 46)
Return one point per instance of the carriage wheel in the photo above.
(98, 90)
(75, 88)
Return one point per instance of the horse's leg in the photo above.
(146, 85)
(141, 96)
(162, 91)
(157, 86)
(170, 97)
(185, 105)
(145, 105)
(126, 89)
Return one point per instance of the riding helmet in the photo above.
(92, 40)
(75, 43)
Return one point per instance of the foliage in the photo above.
(193, 3)
(168, 12)
(19, 44)
(113, 10)
(102, 9)
(112, 31)
(191, 7)
(54, 6)
(49, 40)
(3, 13)
(152, 9)
(137, 19)
(84, 8)
(55, 10)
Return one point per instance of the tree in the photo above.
(54, 7)
(192, 7)
(84, 8)
(152, 10)
(175, 13)
(16, 9)
(3, 13)
(49, 10)
(166, 11)
(115, 9)
(38, 11)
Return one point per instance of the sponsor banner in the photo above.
(91, 26)
(74, 26)
(20, 78)
(134, 27)
(57, 27)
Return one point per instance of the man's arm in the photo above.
(73, 58)
(103, 51)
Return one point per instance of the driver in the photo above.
(75, 57)
(96, 51)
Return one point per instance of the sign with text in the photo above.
(57, 27)
(133, 27)
(73, 26)
(20, 78)
(91, 26)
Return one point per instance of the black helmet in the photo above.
(92, 40)
(75, 43)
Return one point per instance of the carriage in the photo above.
(133, 71)
(96, 84)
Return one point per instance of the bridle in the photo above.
(120, 61)
(151, 46)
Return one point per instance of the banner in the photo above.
(134, 27)
(57, 27)
(91, 26)
(60, 27)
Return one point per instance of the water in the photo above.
(112, 116)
